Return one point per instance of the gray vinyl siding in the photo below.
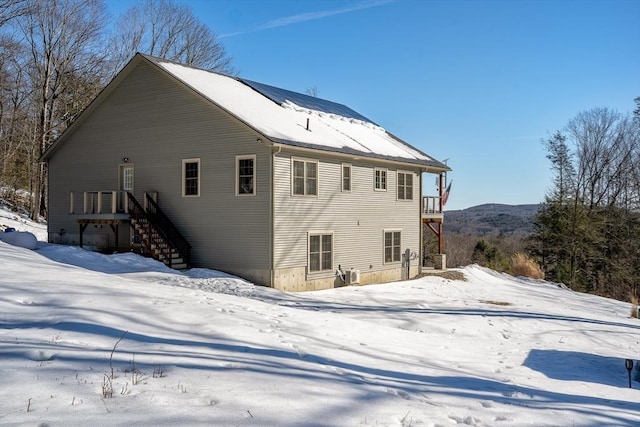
(356, 218)
(156, 123)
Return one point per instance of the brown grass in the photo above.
(522, 265)
(448, 274)
(502, 303)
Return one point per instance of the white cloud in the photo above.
(309, 16)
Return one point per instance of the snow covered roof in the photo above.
(294, 119)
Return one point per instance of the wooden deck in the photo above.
(99, 208)
(432, 209)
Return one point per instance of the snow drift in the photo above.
(23, 239)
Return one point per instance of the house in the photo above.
(201, 169)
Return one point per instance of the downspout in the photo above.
(261, 139)
(273, 216)
(420, 208)
(441, 191)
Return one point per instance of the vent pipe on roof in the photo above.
(307, 123)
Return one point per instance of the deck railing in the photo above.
(431, 205)
(99, 202)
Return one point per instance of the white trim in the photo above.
(237, 180)
(121, 168)
(404, 172)
(314, 152)
(342, 166)
(305, 161)
(386, 179)
(384, 245)
(322, 271)
(184, 178)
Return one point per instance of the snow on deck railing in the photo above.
(431, 205)
(99, 202)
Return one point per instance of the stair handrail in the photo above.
(138, 213)
(157, 216)
(135, 209)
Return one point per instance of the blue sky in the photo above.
(477, 82)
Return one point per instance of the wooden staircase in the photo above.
(157, 235)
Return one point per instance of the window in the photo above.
(320, 252)
(127, 178)
(245, 175)
(405, 186)
(304, 175)
(346, 177)
(191, 177)
(380, 179)
(391, 246)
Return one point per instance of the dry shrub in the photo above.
(522, 265)
(634, 306)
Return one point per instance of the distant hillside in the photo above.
(492, 219)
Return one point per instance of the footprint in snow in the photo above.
(399, 393)
(468, 420)
(297, 349)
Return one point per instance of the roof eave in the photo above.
(432, 166)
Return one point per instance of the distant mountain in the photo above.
(491, 219)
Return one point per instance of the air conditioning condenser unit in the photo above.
(352, 277)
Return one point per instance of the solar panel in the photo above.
(279, 96)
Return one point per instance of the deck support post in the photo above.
(83, 226)
(114, 228)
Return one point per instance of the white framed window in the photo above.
(304, 177)
(392, 245)
(127, 178)
(320, 252)
(380, 179)
(246, 175)
(346, 177)
(191, 178)
(405, 185)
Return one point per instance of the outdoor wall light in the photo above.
(125, 160)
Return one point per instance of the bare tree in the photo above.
(15, 124)
(10, 9)
(171, 31)
(64, 40)
(313, 91)
(589, 236)
(605, 146)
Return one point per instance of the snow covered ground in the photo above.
(205, 348)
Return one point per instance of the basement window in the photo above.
(320, 252)
(392, 243)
